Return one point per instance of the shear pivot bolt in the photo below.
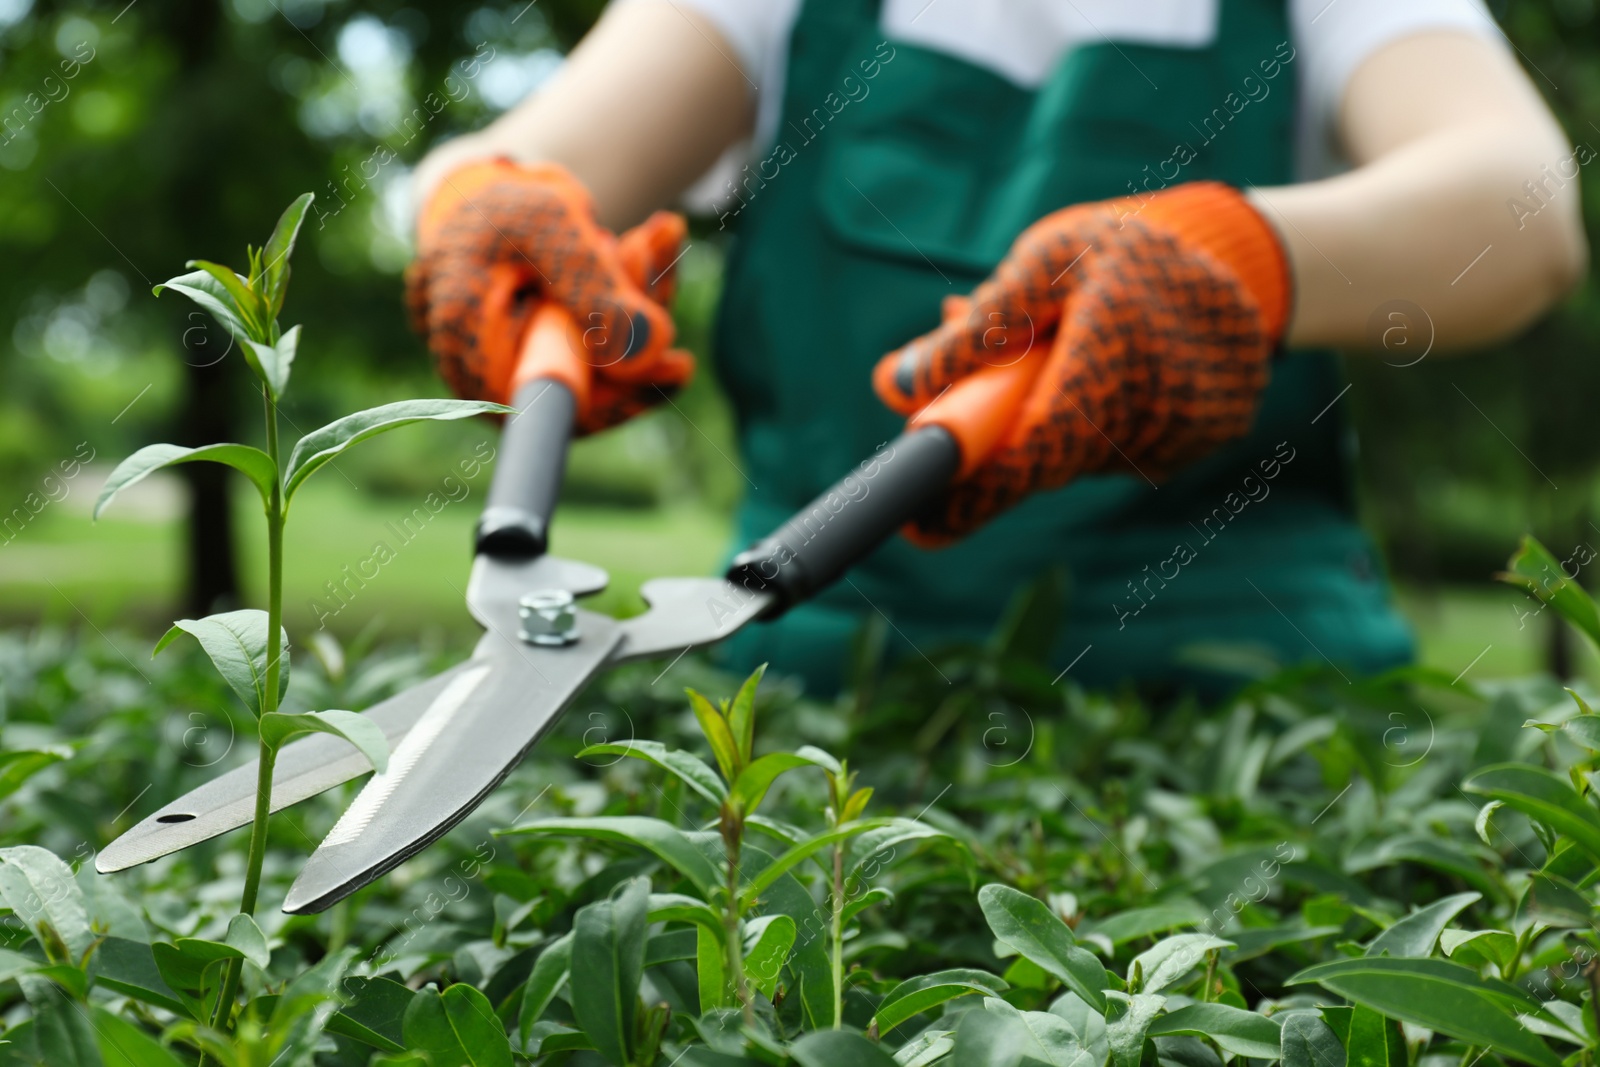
(548, 617)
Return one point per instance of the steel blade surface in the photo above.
(305, 767)
(686, 613)
(453, 758)
(497, 583)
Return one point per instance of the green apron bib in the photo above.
(901, 175)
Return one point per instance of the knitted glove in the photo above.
(496, 237)
(1155, 324)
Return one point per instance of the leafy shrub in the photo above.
(1390, 871)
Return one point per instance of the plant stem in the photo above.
(731, 843)
(269, 704)
(1592, 971)
(838, 936)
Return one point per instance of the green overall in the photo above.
(901, 175)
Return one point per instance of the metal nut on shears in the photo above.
(548, 617)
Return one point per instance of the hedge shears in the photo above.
(456, 736)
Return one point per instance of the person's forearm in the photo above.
(1433, 219)
(641, 108)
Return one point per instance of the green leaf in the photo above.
(40, 889)
(917, 995)
(1243, 1033)
(608, 941)
(271, 363)
(1562, 1021)
(717, 734)
(1476, 947)
(1028, 925)
(325, 443)
(1555, 902)
(1481, 823)
(1540, 795)
(214, 298)
(1128, 1020)
(236, 291)
(710, 962)
(251, 462)
(1253, 941)
(1460, 859)
(1438, 995)
(1584, 729)
(355, 728)
(1309, 1042)
(676, 907)
(763, 962)
(821, 758)
(1170, 959)
(17, 766)
(299, 1014)
(1417, 933)
(1143, 922)
(998, 1035)
(129, 967)
(14, 965)
(753, 782)
(123, 1044)
(246, 936)
(855, 804)
(1538, 572)
(926, 1049)
(880, 845)
(691, 769)
(236, 641)
(373, 1013)
(62, 1029)
(855, 905)
(668, 843)
(742, 717)
(549, 974)
(669, 947)
(838, 1048)
(457, 1028)
(279, 247)
(193, 968)
(1374, 1041)
(790, 858)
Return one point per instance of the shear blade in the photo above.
(305, 768)
(472, 735)
(319, 762)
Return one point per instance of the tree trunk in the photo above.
(211, 580)
(211, 573)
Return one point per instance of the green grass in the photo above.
(123, 570)
(127, 570)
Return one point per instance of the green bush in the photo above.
(1393, 870)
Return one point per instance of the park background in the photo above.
(186, 125)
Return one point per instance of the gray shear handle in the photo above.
(842, 526)
(527, 471)
(533, 446)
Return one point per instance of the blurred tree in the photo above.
(136, 135)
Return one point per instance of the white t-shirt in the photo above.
(1023, 40)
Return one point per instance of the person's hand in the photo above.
(1155, 324)
(496, 237)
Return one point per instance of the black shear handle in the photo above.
(948, 438)
(550, 386)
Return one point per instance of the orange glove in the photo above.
(1159, 321)
(496, 237)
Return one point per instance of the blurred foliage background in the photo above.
(139, 134)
